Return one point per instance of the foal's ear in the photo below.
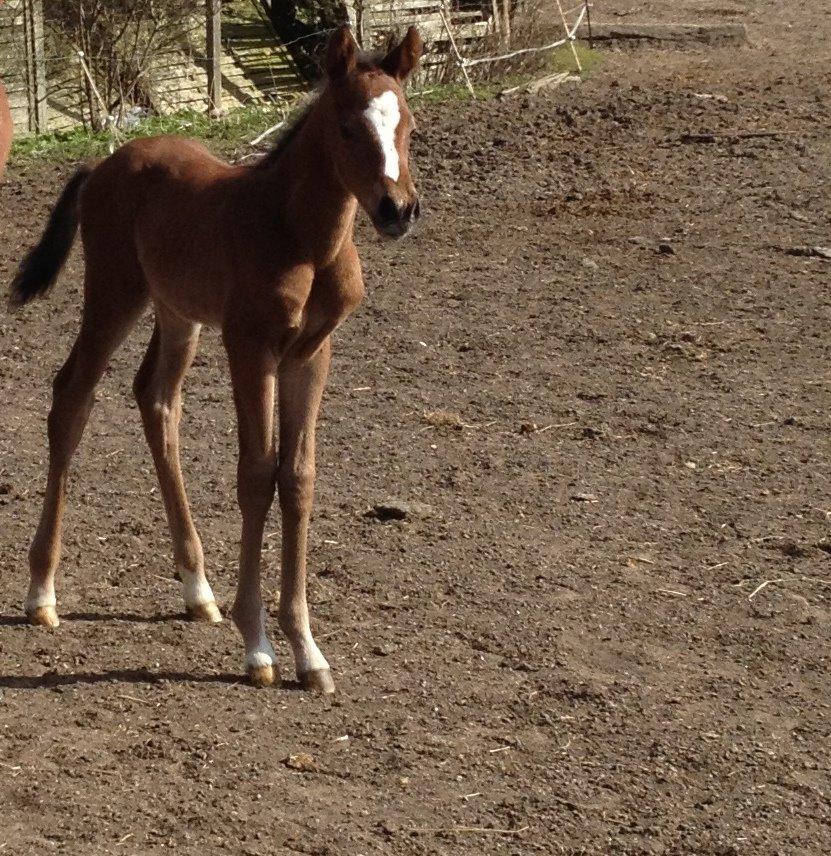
(340, 53)
(401, 60)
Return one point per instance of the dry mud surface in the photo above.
(563, 650)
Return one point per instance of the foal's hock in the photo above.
(266, 254)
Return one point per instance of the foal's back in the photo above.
(160, 209)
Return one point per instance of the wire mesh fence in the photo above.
(59, 74)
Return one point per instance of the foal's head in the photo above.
(369, 135)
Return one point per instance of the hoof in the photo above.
(207, 613)
(43, 616)
(317, 681)
(261, 676)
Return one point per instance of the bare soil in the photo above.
(601, 369)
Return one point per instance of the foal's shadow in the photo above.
(113, 676)
(125, 616)
(134, 617)
(126, 676)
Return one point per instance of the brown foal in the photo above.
(266, 254)
(5, 128)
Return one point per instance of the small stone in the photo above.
(690, 465)
(381, 650)
(592, 433)
(810, 252)
(529, 428)
(591, 264)
(583, 497)
(665, 249)
(303, 762)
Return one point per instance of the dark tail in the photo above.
(39, 270)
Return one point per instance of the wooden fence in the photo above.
(205, 62)
(228, 55)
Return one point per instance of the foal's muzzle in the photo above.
(394, 220)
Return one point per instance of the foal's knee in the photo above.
(256, 479)
(157, 409)
(296, 484)
(144, 392)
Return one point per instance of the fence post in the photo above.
(214, 33)
(506, 22)
(35, 64)
(359, 22)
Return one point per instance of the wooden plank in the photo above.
(405, 6)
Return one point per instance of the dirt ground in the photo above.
(610, 631)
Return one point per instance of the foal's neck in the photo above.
(311, 199)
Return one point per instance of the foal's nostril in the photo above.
(388, 210)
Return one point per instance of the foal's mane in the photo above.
(295, 123)
(366, 61)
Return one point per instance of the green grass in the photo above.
(227, 134)
(562, 59)
(438, 93)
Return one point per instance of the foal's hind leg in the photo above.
(109, 315)
(158, 390)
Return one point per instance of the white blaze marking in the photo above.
(384, 115)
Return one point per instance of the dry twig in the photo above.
(485, 830)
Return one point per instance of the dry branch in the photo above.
(534, 86)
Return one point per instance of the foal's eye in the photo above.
(346, 131)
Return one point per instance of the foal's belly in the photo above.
(183, 275)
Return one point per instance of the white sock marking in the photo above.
(197, 588)
(262, 654)
(384, 115)
(307, 656)
(38, 597)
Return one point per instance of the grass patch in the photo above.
(231, 132)
(438, 93)
(562, 59)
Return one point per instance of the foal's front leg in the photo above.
(301, 383)
(252, 373)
